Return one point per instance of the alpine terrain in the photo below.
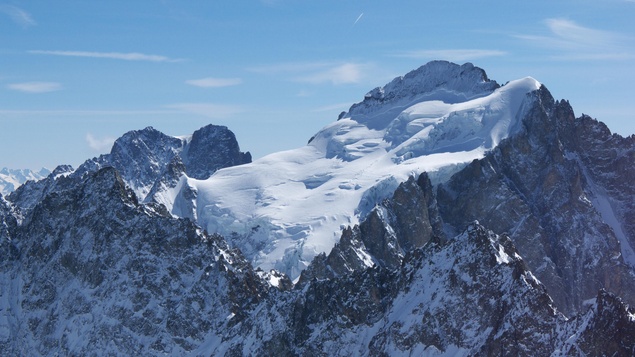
(10, 179)
(443, 215)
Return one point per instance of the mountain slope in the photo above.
(151, 163)
(123, 278)
(284, 209)
(561, 188)
(128, 278)
(145, 157)
(444, 198)
(470, 295)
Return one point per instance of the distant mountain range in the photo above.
(10, 179)
(442, 215)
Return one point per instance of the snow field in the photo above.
(288, 207)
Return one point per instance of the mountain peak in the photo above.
(212, 138)
(436, 80)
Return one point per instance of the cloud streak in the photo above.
(347, 73)
(35, 87)
(130, 56)
(358, 18)
(318, 72)
(211, 82)
(18, 15)
(457, 55)
(98, 144)
(572, 41)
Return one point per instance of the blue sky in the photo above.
(76, 74)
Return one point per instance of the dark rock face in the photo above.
(150, 161)
(212, 148)
(8, 225)
(31, 192)
(141, 157)
(607, 326)
(553, 195)
(470, 295)
(475, 296)
(123, 278)
(401, 224)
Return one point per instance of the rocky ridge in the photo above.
(452, 268)
(128, 278)
(124, 278)
(151, 162)
(564, 197)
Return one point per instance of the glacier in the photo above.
(285, 208)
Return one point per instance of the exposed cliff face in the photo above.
(123, 278)
(399, 225)
(152, 163)
(546, 188)
(212, 148)
(608, 325)
(471, 295)
(148, 157)
(8, 224)
(128, 278)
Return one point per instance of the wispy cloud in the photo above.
(211, 82)
(99, 144)
(35, 87)
(571, 41)
(18, 15)
(130, 56)
(346, 73)
(336, 73)
(456, 55)
(303, 93)
(210, 110)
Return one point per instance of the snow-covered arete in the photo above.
(284, 209)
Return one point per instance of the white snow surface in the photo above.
(11, 179)
(288, 207)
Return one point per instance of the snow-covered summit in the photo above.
(285, 208)
(436, 80)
